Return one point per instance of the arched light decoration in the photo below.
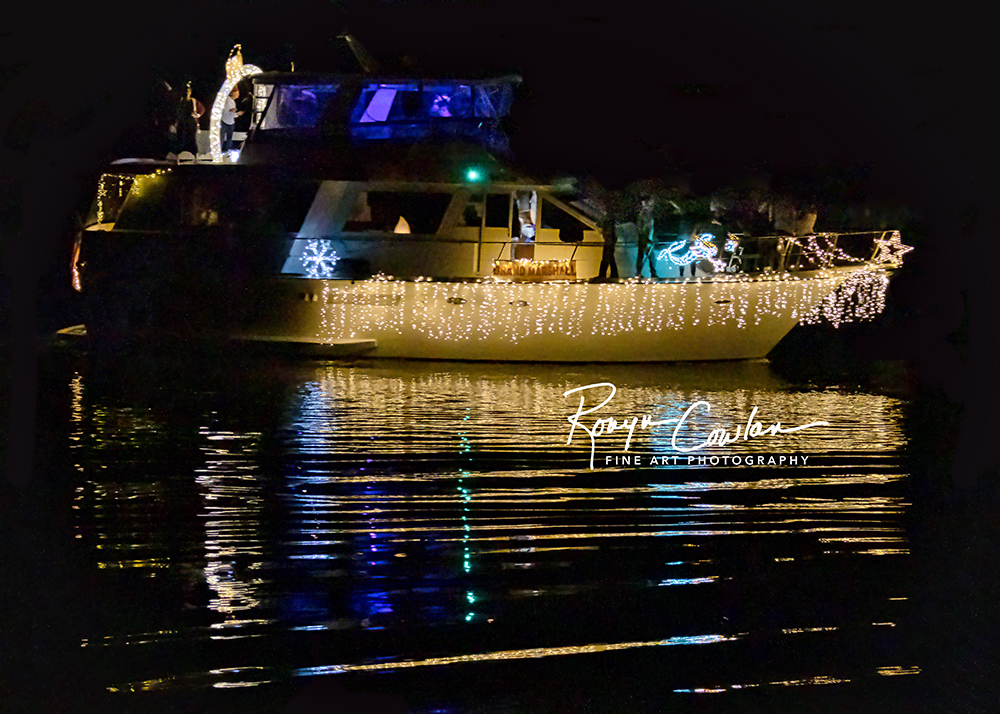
(236, 72)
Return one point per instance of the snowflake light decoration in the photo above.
(319, 260)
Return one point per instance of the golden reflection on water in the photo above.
(457, 481)
(385, 414)
(818, 679)
(897, 670)
(520, 654)
(533, 653)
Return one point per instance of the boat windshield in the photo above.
(112, 191)
(165, 202)
(405, 109)
(294, 106)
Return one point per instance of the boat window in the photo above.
(498, 211)
(375, 102)
(206, 205)
(570, 228)
(380, 102)
(213, 202)
(493, 100)
(381, 210)
(298, 106)
(448, 101)
(152, 203)
(411, 110)
(112, 191)
(472, 213)
(261, 93)
(407, 109)
(291, 203)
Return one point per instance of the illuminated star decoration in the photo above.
(319, 260)
(891, 250)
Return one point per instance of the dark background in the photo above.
(846, 101)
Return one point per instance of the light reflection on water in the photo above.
(342, 412)
(441, 502)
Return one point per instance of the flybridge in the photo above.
(365, 107)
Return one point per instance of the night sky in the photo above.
(868, 104)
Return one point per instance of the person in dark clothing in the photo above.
(646, 232)
(189, 110)
(608, 263)
(718, 227)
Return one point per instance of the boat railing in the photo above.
(831, 250)
(781, 253)
(750, 254)
(826, 248)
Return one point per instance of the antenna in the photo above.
(367, 62)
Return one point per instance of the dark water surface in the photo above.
(227, 534)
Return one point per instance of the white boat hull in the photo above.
(549, 322)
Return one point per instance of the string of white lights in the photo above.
(135, 182)
(236, 72)
(860, 297)
(889, 251)
(512, 311)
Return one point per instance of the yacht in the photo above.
(370, 214)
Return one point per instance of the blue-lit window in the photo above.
(299, 106)
(412, 102)
(416, 110)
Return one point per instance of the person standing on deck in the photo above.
(687, 230)
(522, 247)
(645, 228)
(189, 110)
(229, 115)
(718, 229)
(608, 263)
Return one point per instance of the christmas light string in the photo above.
(512, 310)
(236, 72)
(135, 184)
